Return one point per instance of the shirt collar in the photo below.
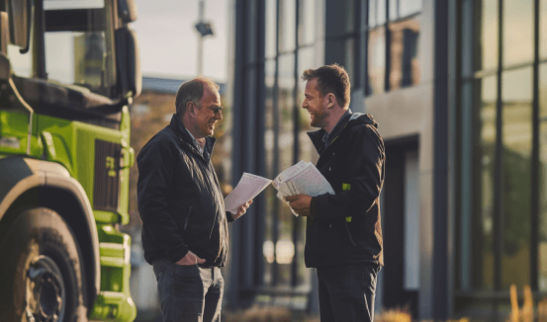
(196, 143)
(328, 137)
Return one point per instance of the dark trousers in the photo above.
(346, 293)
(189, 293)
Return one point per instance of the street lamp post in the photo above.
(204, 29)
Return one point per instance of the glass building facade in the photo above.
(502, 140)
(460, 91)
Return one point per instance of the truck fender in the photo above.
(19, 174)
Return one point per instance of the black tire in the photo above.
(40, 265)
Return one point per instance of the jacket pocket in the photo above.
(349, 233)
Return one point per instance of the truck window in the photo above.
(21, 64)
(79, 45)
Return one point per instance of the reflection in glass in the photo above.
(517, 150)
(271, 21)
(542, 172)
(405, 66)
(269, 147)
(307, 20)
(285, 150)
(349, 63)
(287, 25)
(408, 7)
(489, 35)
(518, 31)
(484, 164)
(381, 12)
(543, 29)
(393, 9)
(372, 13)
(376, 61)
(350, 15)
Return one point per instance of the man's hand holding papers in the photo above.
(300, 204)
(301, 181)
(242, 196)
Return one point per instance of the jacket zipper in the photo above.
(349, 233)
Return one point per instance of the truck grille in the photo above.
(107, 176)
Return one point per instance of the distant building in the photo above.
(460, 91)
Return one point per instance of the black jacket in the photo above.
(345, 229)
(180, 201)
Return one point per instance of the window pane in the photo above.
(350, 15)
(483, 204)
(287, 25)
(372, 13)
(543, 29)
(489, 35)
(285, 247)
(393, 9)
(381, 12)
(517, 149)
(542, 269)
(81, 54)
(269, 147)
(271, 15)
(307, 22)
(376, 60)
(408, 7)
(21, 64)
(405, 66)
(518, 32)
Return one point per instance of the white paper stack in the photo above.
(249, 186)
(302, 178)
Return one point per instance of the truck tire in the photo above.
(41, 277)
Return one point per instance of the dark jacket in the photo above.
(180, 201)
(345, 229)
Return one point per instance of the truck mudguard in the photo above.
(19, 174)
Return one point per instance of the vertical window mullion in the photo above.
(498, 182)
(388, 49)
(534, 236)
(296, 148)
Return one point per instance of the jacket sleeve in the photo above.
(155, 179)
(366, 166)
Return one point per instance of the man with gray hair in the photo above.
(184, 223)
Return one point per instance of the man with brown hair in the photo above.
(344, 233)
(184, 223)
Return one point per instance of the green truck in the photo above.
(68, 73)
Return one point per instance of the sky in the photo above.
(168, 39)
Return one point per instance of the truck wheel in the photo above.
(41, 277)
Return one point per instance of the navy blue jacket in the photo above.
(345, 229)
(180, 201)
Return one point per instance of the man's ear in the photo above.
(190, 108)
(331, 99)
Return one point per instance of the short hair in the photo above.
(192, 91)
(331, 79)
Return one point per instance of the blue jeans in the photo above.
(189, 293)
(346, 293)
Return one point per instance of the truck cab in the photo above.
(69, 71)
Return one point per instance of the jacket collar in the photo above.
(185, 138)
(317, 136)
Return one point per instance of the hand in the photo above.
(242, 209)
(190, 259)
(300, 204)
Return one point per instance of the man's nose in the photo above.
(219, 115)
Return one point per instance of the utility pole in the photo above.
(204, 29)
